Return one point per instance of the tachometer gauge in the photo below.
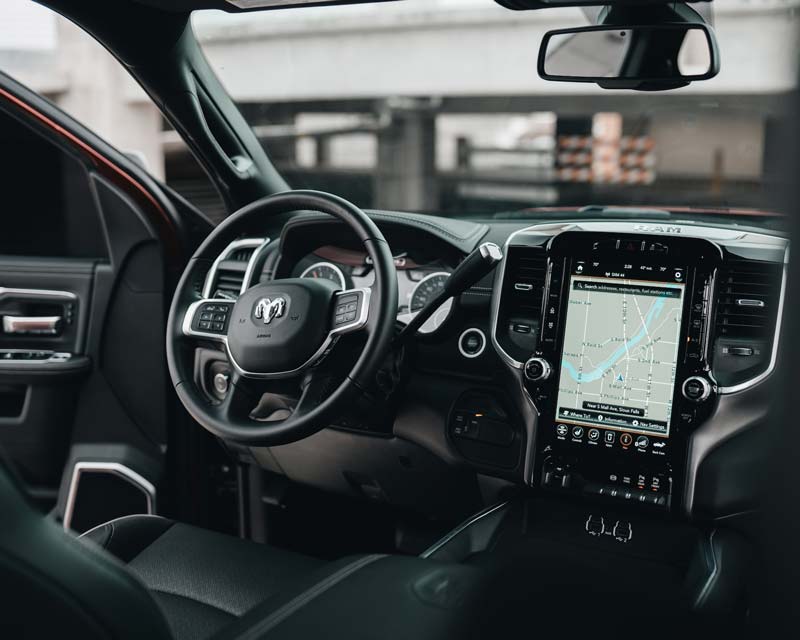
(326, 271)
(425, 291)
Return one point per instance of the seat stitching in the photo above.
(296, 603)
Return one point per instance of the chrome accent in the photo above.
(245, 243)
(480, 351)
(523, 286)
(436, 546)
(745, 302)
(707, 389)
(333, 335)
(547, 370)
(267, 309)
(113, 468)
(37, 293)
(42, 325)
(339, 273)
(249, 273)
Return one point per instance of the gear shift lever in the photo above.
(476, 265)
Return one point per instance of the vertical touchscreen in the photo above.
(621, 345)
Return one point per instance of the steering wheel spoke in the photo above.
(208, 319)
(350, 311)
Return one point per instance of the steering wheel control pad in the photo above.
(279, 326)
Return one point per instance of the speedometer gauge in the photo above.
(425, 291)
(326, 271)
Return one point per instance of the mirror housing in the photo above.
(651, 57)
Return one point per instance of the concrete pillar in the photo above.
(405, 175)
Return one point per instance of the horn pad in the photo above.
(278, 326)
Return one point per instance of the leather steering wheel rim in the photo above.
(225, 419)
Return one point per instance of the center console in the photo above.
(612, 347)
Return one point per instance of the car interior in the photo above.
(311, 418)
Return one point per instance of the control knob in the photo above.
(696, 389)
(537, 369)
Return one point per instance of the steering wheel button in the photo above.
(217, 326)
(206, 316)
(205, 325)
(351, 306)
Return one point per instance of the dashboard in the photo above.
(619, 361)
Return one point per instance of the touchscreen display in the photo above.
(620, 354)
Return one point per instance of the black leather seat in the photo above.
(202, 580)
(135, 577)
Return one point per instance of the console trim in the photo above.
(113, 468)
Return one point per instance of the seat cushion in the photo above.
(201, 579)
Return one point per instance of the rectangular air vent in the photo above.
(525, 278)
(748, 297)
(520, 311)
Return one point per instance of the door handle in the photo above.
(42, 325)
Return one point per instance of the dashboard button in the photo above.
(610, 437)
(594, 435)
(642, 442)
(696, 389)
(472, 343)
(562, 430)
(577, 432)
(537, 369)
(626, 439)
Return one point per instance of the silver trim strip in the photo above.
(436, 546)
(245, 243)
(773, 359)
(356, 325)
(113, 468)
(249, 273)
(37, 293)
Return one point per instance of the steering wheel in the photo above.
(281, 330)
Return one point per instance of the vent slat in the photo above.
(749, 281)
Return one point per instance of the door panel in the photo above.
(44, 307)
(90, 248)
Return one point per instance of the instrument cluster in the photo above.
(417, 283)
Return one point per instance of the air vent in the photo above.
(748, 299)
(228, 272)
(525, 277)
(520, 311)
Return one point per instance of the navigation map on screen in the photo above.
(620, 353)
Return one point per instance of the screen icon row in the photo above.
(577, 432)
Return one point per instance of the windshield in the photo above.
(436, 106)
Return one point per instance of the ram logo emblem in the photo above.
(268, 309)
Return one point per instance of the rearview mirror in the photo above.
(630, 57)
